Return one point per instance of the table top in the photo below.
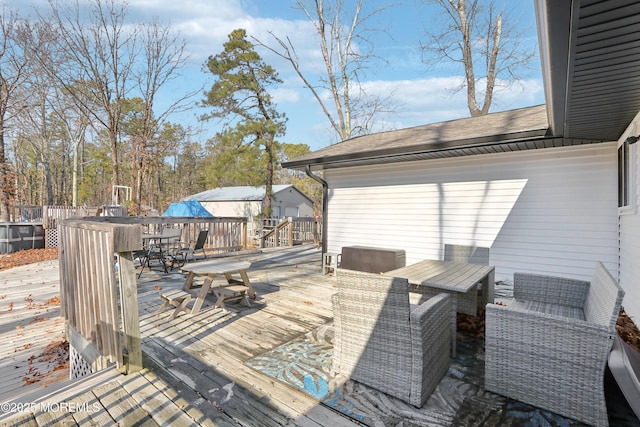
(164, 235)
(215, 266)
(449, 275)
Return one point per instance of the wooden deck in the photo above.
(31, 329)
(194, 365)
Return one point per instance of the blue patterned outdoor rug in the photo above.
(459, 399)
(302, 363)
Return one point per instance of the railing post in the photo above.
(243, 231)
(130, 316)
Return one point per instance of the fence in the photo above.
(226, 234)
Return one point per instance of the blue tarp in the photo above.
(186, 208)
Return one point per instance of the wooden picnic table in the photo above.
(233, 290)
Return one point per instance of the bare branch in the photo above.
(477, 37)
(346, 50)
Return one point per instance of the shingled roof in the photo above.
(514, 130)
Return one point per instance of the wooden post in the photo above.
(290, 227)
(243, 235)
(130, 316)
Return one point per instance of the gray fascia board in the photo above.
(419, 149)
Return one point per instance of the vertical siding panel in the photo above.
(551, 211)
(630, 264)
(630, 238)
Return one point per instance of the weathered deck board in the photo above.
(292, 402)
(195, 372)
(26, 419)
(198, 408)
(153, 402)
(121, 406)
(29, 321)
(97, 414)
(239, 404)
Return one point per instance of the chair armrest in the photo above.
(431, 335)
(430, 315)
(535, 332)
(549, 289)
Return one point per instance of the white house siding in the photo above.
(242, 208)
(630, 238)
(551, 211)
(290, 200)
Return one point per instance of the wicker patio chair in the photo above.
(468, 302)
(550, 347)
(384, 342)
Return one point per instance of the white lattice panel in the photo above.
(78, 366)
(51, 238)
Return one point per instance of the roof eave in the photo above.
(554, 19)
(494, 144)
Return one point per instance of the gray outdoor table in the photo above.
(456, 278)
(430, 277)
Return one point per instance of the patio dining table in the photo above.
(430, 277)
(157, 246)
(457, 278)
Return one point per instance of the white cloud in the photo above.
(419, 102)
(205, 25)
(283, 95)
(436, 99)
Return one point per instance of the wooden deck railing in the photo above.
(100, 302)
(226, 234)
(293, 231)
(51, 215)
(100, 309)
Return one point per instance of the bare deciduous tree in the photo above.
(480, 36)
(347, 50)
(163, 54)
(100, 48)
(14, 72)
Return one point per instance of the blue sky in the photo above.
(422, 94)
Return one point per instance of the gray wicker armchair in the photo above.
(384, 342)
(549, 348)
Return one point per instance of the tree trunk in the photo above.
(139, 174)
(115, 174)
(270, 171)
(74, 178)
(5, 184)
